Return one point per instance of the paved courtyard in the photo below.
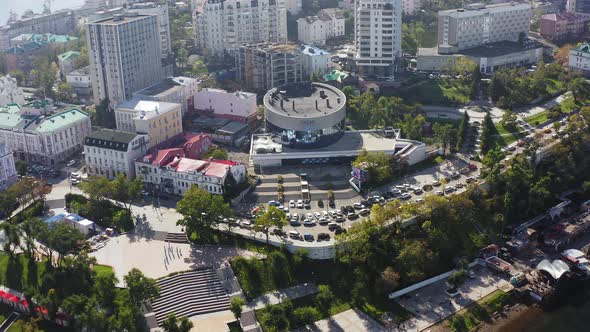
(157, 258)
(352, 320)
(431, 304)
(215, 322)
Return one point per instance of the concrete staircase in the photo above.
(191, 294)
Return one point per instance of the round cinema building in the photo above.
(306, 114)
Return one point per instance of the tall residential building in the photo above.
(124, 53)
(329, 23)
(261, 67)
(478, 24)
(294, 6)
(224, 25)
(7, 167)
(61, 23)
(377, 35)
(578, 6)
(161, 12)
(409, 7)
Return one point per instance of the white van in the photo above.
(294, 235)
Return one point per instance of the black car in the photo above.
(339, 231)
(320, 203)
(279, 232)
(343, 209)
(323, 236)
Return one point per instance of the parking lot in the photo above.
(318, 217)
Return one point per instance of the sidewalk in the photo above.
(285, 294)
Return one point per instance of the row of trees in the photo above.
(487, 132)
(21, 193)
(462, 131)
(380, 167)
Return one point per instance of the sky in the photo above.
(19, 6)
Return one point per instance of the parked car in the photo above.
(308, 237)
(294, 235)
(292, 204)
(71, 163)
(323, 236)
(364, 212)
(352, 215)
(358, 206)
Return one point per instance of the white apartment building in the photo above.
(178, 90)
(294, 6)
(314, 61)
(409, 7)
(377, 36)
(80, 81)
(224, 25)
(478, 24)
(111, 152)
(314, 30)
(159, 120)
(124, 54)
(10, 93)
(579, 58)
(7, 167)
(236, 106)
(44, 139)
(161, 13)
(174, 174)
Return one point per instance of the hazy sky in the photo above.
(19, 6)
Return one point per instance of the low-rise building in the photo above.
(110, 152)
(561, 26)
(159, 120)
(29, 46)
(314, 61)
(409, 7)
(37, 136)
(579, 58)
(67, 61)
(7, 167)
(178, 90)
(315, 30)
(489, 57)
(237, 106)
(171, 172)
(80, 80)
(10, 93)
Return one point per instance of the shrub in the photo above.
(280, 188)
(325, 298)
(279, 179)
(306, 315)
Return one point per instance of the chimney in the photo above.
(328, 103)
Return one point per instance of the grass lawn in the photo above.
(537, 118)
(23, 272)
(102, 269)
(553, 86)
(437, 92)
(503, 136)
(469, 318)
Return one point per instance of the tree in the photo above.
(201, 210)
(65, 91)
(105, 117)
(86, 312)
(561, 56)
(325, 298)
(508, 121)
(64, 239)
(141, 288)
(306, 315)
(388, 281)
(105, 288)
(486, 133)
(31, 230)
(236, 305)
(217, 153)
(173, 324)
(97, 188)
(580, 88)
(416, 260)
(125, 190)
(182, 57)
(199, 68)
(266, 219)
(21, 167)
(8, 204)
(445, 135)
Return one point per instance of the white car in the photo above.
(420, 200)
(358, 206)
(310, 216)
(309, 222)
(71, 163)
(291, 203)
(317, 215)
(300, 204)
(324, 214)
